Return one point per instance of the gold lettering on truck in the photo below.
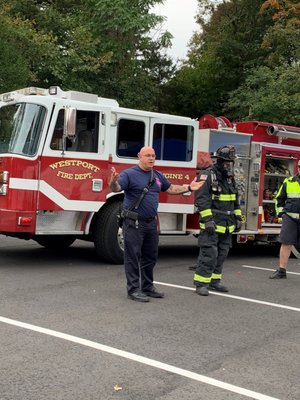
(174, 176)
(74, 163)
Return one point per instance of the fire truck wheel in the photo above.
(108, 237)
(55, 241)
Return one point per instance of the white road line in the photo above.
(269, 269)
(266, 303)
(140, 359)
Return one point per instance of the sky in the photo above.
(180, 23)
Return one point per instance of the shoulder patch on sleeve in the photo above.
(203, 177)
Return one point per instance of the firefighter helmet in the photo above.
(226, 153)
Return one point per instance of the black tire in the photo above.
(108, 237)
(53, 242)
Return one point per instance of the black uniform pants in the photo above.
(214, 249)
(140, 253)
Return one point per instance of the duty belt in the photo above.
(223, 212)
(135, 216)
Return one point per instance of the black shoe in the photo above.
(138, 296)
(192, 267)
(154, 293)
(280, 273)
(218, 287)
(202, 290)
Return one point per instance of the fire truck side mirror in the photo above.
(70, 122)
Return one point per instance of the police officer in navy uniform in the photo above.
(219, 215)
(141, 235)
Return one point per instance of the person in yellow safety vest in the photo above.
(287, 205)
(220, 215)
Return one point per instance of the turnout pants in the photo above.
(140, 253)
(214, 249)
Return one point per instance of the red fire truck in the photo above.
(57, 149)
(56, 153)
(273, 155)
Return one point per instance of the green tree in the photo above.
(283, 38)
(189, 92)
(227, 45)
(18, 46)
(104, 47)
(272, 92)
(60, 47)
(136, 67)
(268, 94)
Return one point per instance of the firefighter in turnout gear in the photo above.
(219, 215)
(287, 203)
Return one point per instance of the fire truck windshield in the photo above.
(20, 128)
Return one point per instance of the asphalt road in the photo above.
(67, 330)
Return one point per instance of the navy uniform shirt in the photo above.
(133, 181)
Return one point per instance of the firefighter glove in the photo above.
(210, 227)
(238, 225)
(280, 214)
(238, 217)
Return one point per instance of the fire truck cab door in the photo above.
(128, 135)
(71, 168)
(175, 141)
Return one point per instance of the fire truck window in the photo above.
(86, 138)
(130, 137)
(173, 142)
(57, 138)
(21, 126)
(87, 128)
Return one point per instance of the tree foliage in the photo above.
(104, 47)
(17, 48)
(283, 37)
(243, 62)
(272, 92)
(269, 94)
(242, 52)
(227, 45)
(136, 67)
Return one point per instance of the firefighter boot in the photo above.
(215, 284)
(202, 290)
(280, 273)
